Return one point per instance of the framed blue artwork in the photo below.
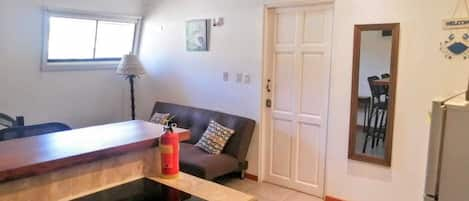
(197, 35)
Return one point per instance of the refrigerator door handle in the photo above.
(435, 147)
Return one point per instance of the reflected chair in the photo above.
(365, 103)
(34, 130)
(377, 119)
(386, 76)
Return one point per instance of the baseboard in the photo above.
(329, 198)
(251, 177)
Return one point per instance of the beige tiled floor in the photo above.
(267, 192)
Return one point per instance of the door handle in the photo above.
(267, 87)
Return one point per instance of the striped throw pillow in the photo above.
(215, 138)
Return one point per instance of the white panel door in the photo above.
(299, 78)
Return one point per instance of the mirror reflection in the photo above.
(373, 92)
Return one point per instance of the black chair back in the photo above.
(6, 121)
(35, 130)
(386, 88)
(376, 91)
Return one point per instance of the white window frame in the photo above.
(85, 65)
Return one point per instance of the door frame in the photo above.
(266, 50)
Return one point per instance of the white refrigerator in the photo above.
(448, 157)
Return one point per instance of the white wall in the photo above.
(195, 79)
(423, 75)
(77, 98)
(94, 97)
(375, 58)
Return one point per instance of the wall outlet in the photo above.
(226, 76)
(247, 78)
(239, 78)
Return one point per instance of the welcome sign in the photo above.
(457, 42)
(457, 23)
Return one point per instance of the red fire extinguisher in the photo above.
(169, 148)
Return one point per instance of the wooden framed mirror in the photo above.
(375, 61)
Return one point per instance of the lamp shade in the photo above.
(130, 65)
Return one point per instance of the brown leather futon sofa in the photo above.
(198, 162)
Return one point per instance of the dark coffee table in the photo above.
(139, 190)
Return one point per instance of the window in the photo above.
(81, 41)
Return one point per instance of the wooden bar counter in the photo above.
(70, 164)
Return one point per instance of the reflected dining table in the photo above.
(382, 82)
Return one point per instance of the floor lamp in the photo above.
(130, 67)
